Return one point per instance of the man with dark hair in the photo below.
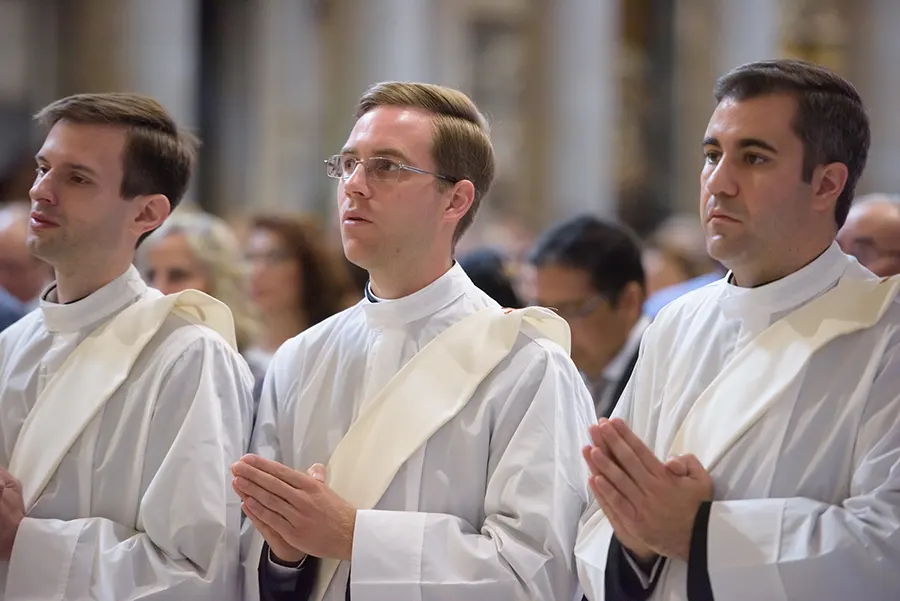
(452, 472)
(490, 270)
(121, 409)
(756, 452)
(590, 272)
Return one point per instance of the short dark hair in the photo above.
(609, 252)
(489, 269)
(830, 120)
(158, 157)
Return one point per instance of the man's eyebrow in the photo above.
(743, 143)
(380, 152)
(39, 158)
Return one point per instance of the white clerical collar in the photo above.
(427, 301)
(93, 308)
(788, 292)
(615, 369)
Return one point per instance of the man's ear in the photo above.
(153, 210)
(460, 201)
(828, 181)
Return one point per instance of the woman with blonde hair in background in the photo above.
(296, 279)
(196, 250)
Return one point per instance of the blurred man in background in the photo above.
(872, 233)
(590, 272)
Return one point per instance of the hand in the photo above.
(641, 552)
(301, 509)
(12, 512)
(654, 503)
(277, 545)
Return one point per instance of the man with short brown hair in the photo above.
(120, 409)
(450, 427)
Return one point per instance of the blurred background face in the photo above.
(21, 274)
(598, 329)
(661, 270)
(172, 266)
(275, 275)
(872, 235)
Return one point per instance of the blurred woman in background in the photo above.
(198, 250)
(296, 280)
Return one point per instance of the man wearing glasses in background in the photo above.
(454, 471)
(590, 272)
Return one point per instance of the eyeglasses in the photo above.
(579, 310)
(382, 169)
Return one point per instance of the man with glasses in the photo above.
(453, 463)
(590, 272)
(872, 233)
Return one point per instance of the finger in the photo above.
(595, 429)
(621, 453)
(613, 499)
(268, 533)
(586, 453)
(265, 480)
(269, 518)
(615, 521)
(280, 471)
(284, 507)
(638, 449)
(623, 483)
(317, 471)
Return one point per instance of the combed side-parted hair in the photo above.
(831, 120)
(461, 147)
(159, 157)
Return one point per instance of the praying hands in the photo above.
(296, 512)
(651, 505)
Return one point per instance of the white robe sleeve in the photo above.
(795, 549)
(191, 517)
(536, 491)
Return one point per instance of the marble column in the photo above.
(582, 103)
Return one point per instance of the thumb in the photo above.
(677, 466)
(692, 465)
(317, 471)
